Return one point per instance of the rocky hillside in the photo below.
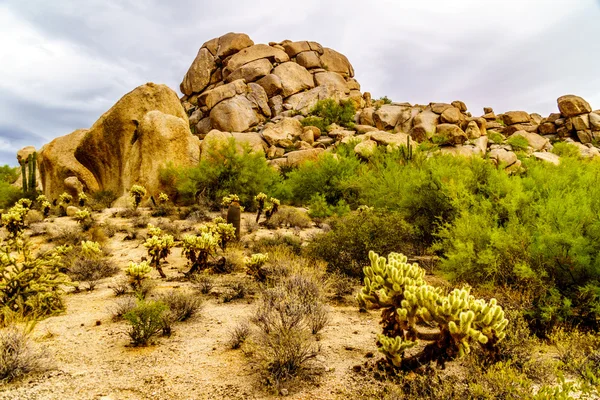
(260, 94)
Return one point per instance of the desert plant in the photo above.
(238, 335)
(137, 193)
(147, 320)
(225, 232)
(122, 306)
(290, 217)
(87, 263)
(159, 247)
(137, 273)
(260, 199)
(197, 249)
(182, 306)
(329, 111)
(204, 283)
(84, 218)
(398, 288)
(29, 286)
(65, 198)
(518, 143)
(82, 199)
(14, 220)
(45, 207)
(18, 356)
(254, 266)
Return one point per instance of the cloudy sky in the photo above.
(64, 62)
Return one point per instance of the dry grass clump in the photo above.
(290, 217)
(182, 305)
(18, 355)
(65, 235)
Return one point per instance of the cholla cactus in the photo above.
(14, 220)
(399, 289)
(364, 209)
(137, 193)
(25, 203)
(159, 247)
(163, 198)
(41, 198)
(65, 198)
(197, 249)
(82, 197)
(272, 208)
(227, 200)
(260, 199)
(29, 286)
(254, 265)
(154, 230)
(223, 231)
(90, 249)
(137, 273)
(45, 207)
(82, 216)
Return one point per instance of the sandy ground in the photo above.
(92, 358)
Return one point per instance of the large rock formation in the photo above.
(144, 130)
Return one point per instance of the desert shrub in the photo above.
(566, 150)
(122, 306)
(329, 111)
(182, 306)
(8, 194)
(340, 285)
(102, 199)
(147, 319)
(495, 137)
(30, 286)
(163, 207)
(254, 266)
(327, 176)
(110, 229)
(87, 263)
(195, 213)
(235, 291)
(290, 217)
(579, 354)
(121, 287)
(398, 288)
(226, 168)
(346, 246)
(286, 316)
(518, 143)
(238, 335)
(8, 174)
(204, 283)
(263, 244)
(319, 209)
(65, 235)
(18, 356)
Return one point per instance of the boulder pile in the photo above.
(260, 94)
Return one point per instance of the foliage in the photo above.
(518, 143)
(319, 209)
(30, 286)
(18, 356)
(137, 193)
(224, 169)
(197, 248)
(398, 288)
(82, 199)
(9, 194)
(147, 320)
(8, 174)
(290, 217)
(495, 137)
(102, 199)
(182, 306)
(566, 150)
(329, 111)
(65, 198)
(579, 354)
(254, 266)
(137, 273)
(159, 247)
(14, 220)
(83, 217)
(87, 263)
(238, 335)
(346, 246)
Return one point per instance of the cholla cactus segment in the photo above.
(90, 249)
(227, 200)
(256, 260)
(159, 243)
(45, 206)
(82, 215)
(400, 290)
(163, 198)
(261, 197)
(41, 199)
(137, 193)
(274, 201)
(14, 220)
(65, 198)
(137, 272)
(154, 230)
(82, 197)
(25, 203)
(206, 241)
(219, 220)
(364, 209)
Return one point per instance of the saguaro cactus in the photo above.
(406, 300)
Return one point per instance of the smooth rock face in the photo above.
(594, 121)
(272, 84)
(198, 76)
(548, 157)
(283, 133)
(309, 59)
(451, 115)
(211, 98)
(425, 125)
(107, 148)
(259, 98)
(332, 79)
(294, 78)
(336, 62)
(571, 106)
(536, 141)
(233, 115)
(252, 71)
(473, 131)
(24, 153)
(253, 53)
(515, 117)
(452, 134)
(502, 156)
(366, 148)
(231, 43)
(386, 117)
(293, 48)
(295, 158)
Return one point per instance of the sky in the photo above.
(65, 62)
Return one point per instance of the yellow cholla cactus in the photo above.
(25, 203)
(254, 264)
(154, 230)
(163, 198)
(197, 248)
(227, 200)
(137, 193)
(90, 249)
(400, 290)
(14, 220)
(65, 198)
(138, 272)
(159, 247)
(41, 198)
(82, 215)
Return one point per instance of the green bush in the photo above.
(8, 194)
(346, 246)
(518, 143)
(147, 319)
(566, 150)
(329, 111)
(224, 169)
(318, 209)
